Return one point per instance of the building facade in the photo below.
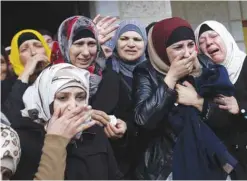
(232, 14)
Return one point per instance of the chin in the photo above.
(83, 66)
(131, 58)
(218, 60)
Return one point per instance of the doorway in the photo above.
(19, 15)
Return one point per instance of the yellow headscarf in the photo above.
(15, 55)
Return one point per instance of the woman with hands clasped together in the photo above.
(174, 142)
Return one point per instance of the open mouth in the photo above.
(213, 52)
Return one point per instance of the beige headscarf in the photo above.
(155, 60)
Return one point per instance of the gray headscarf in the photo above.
(119, 65)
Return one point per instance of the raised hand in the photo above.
(106, 27)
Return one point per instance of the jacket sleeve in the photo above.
(14, 102)
(214, 116)
(152, 102)
(53, 159)
(218, 118)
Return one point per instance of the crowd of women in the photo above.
(124, 101)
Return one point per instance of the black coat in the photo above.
(153, 101)
(114, 98)
(232, 129)
(13, 102)
(6, 86)
(87, 159)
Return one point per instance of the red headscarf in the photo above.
(56, 55)
(162, 30)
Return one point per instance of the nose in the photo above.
(187, 52)
(209, 41)
(72, 104)
(33, 50)
(85, 52)
(131, 43)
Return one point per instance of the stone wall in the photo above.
(145, 11)
(229, 13)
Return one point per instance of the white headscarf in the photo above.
(234, 57)
(10, 152)
(41, 94)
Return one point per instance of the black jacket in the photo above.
(87, 159)
(153, 101)
(13, 102)
(6, 86)
(232, 129)
(114, 98)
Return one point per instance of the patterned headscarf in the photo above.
(10, 148)
(15, 54)
(66, 33)
(119, 65)
(38, 97)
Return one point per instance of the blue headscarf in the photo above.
(119, 65)
(109, 44)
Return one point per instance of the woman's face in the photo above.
(30, 48)
(4, 68)
(83, 52)
(130, 46)
(213, 46)
(48, 40)
(182, 48)
(69, 98)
